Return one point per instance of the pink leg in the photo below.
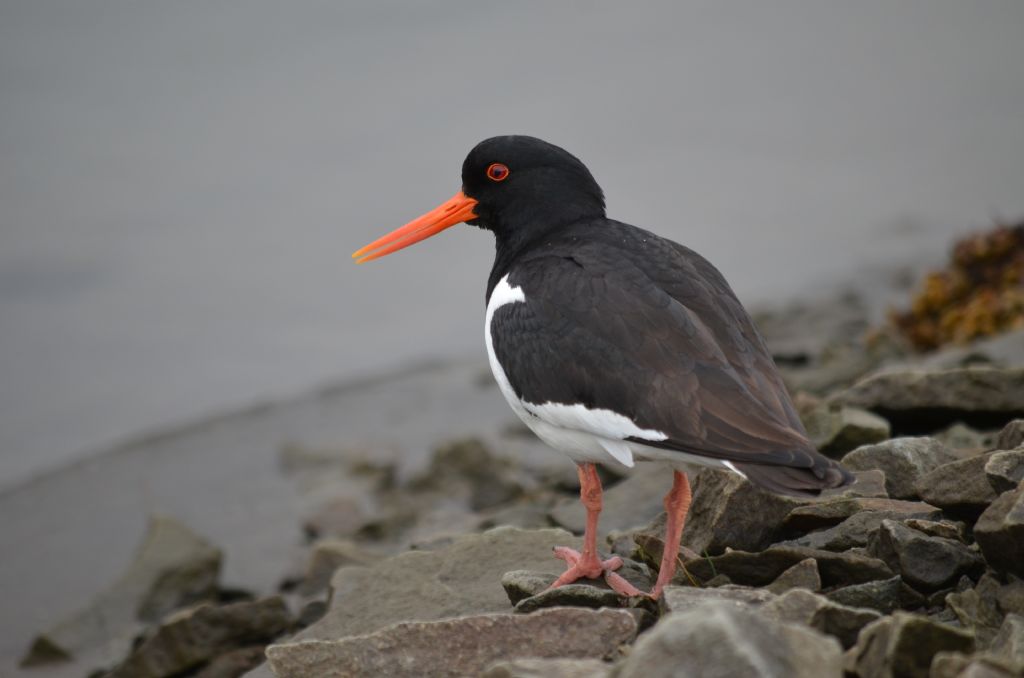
(677, 504)
(587, 564)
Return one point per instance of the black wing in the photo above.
(655, 334)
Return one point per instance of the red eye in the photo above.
(497, 172)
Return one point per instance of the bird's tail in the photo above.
(804, 482)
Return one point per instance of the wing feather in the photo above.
(653, 332)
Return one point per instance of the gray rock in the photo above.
(803, 607)
(1012, 435)
(193, 637)
(549, 668)
(1006, 348)
(883, 595)
(298, 457)
(685, 598)
(915, 398)
(1009, 642)
(1005, 469)
(520, 584)
(800, 332)
(865, 484)
(978, 610)
(904, 644)
(570, 595)
(959, 665)
(469, 467)
(831, 512)
(720, 640)
(727, 511)
(837, 430)
(903, 460)
(171, 568)
(649, 544)
(233, 663)
(457, 647)
(310, 612)
(337, 516)
(926, 563)
(529, 514)
(960, 487)
(803, 575)
(947, 529)
(629, 503)
(326, 557)
(759, 569)
(1000, 532)
(461, 578)
(851, 533)
(1011, 596)
(964, 440)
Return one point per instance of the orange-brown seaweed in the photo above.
(980, 293)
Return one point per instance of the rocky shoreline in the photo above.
(440, 567)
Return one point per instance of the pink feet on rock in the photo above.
(582, 567)
(586, 564)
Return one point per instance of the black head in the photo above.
(522, 182)
(519, 187)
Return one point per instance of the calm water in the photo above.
(181, 183)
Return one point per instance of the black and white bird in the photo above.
(615, 345)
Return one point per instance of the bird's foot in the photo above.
(592, 567)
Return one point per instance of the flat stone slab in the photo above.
(458, 647)
(461, 578)
(549, 668)
(685, 598)
(724, 639)
(919, 399)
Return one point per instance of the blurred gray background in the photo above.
(181, 183)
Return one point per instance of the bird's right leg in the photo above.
(587, 564)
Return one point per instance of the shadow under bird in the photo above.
(615, 345)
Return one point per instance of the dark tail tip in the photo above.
(802, 482)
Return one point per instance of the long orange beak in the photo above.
(457, 209)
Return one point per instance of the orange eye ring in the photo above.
(497, 172)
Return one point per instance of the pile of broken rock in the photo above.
(917, 569)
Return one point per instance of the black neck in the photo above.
(512, 243)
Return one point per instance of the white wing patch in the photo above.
(502, 294)
(600, 422)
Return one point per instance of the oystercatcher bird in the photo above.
(615, 345)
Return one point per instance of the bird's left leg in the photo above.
(677, 505)
(587, 564)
